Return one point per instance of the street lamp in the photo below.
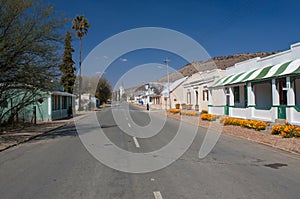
(167, 66)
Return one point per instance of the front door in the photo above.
(197, 98)
(282, 98)
(226, 108)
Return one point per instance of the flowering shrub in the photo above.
(190, 113)
(174, 111)
(209, 117)
(252, 124)
(204, 111)
(286, 130)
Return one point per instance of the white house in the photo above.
(176, 94)
(260, 88)
(195, 88)
(89, 101)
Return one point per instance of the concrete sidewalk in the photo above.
(18, 136)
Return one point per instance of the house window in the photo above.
(55, 102)
(236, 93)
(263, 95)
(245, 96)
(205, 95)
(64, 102)
(189, 101)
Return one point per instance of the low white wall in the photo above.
(238, 112)
(216, 110)
(266, 115)
(293, 116)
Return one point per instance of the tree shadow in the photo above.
(66, 131)
(108, 126)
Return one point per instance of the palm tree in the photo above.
(81, 26)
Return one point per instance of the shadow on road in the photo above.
(67, 131)
(108, 126)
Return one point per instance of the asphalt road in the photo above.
(57, 165)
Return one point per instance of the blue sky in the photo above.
(221, 27)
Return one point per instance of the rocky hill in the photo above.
(221, 62)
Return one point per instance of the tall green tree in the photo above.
(30, 40)
(67, 67)
(103, 91)
(81, 26)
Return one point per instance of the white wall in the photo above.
(293, 116)
(266, 115)
(251, 64)
(216, 110)
(275, 59)
(243, 66)
(238, 112)
(178, 95)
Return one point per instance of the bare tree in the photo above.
(30, 39)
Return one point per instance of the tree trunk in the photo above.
(80, 81)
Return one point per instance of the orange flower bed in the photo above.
(189, 113)
(174, 111)
(286, 130)
(252, 124)
(209, 117)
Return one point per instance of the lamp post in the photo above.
(167, 67)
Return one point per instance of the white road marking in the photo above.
(129, 125)
(157, 195)
(136, 142)
(126, 118)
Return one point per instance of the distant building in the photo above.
(195, 89)
(176, 94)
(89, 101)
(121, 94)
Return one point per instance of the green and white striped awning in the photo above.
(287, 68)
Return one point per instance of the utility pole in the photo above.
(167, 66)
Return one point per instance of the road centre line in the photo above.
(157, 195)
(136, 142)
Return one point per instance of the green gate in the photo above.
(226, 110)
(282, 112)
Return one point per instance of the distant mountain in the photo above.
(221, 62)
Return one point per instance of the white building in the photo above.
(260, 88)
(195, 89)
(88, 101)
(176, 94)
